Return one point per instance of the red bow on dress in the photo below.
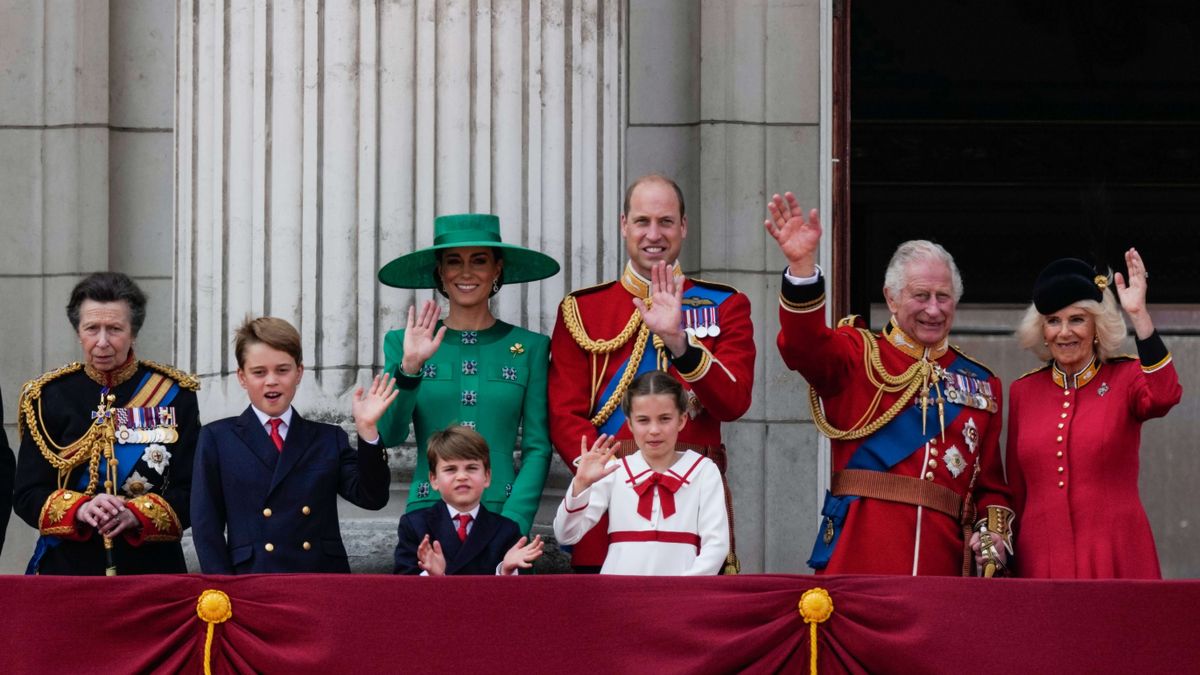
(666, 487)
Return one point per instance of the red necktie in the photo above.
(665, 487)
(463, 520)
(278, 439)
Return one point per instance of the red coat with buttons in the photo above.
(1073, 469)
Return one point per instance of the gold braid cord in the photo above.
(574, 324)
(912, 380)
(184, 379)
(635, 357)
(95, 442)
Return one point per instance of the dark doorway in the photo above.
(1017, 132)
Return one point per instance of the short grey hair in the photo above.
(919, 250)
(1110, 328)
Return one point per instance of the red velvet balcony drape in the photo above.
(363, 624)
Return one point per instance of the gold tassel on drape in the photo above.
(213, 607)
(816, 607)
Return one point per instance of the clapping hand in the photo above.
(369, 406)
(522, 555)
(664, 316)
(797, 237)
(593, 462)
(420, 339)
(430, 558)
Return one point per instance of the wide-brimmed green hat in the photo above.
(415, 270)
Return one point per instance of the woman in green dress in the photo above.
(471, 368)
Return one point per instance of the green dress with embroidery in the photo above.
(491, 380)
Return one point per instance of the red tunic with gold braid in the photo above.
(905, 527)
(597, 333)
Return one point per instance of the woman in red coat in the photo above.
(1075, 426)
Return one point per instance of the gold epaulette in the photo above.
(593, 288)
(963, 354)
(184, 379)
(1122, 357)
(713, 284)
(32, 391)
(852, 320)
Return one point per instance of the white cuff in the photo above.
(802, 281)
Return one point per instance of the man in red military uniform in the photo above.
(914, 423)
(652, 317)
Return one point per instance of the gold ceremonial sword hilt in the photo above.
(988, 549)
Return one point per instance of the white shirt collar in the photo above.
(265, 419)
(474, 513)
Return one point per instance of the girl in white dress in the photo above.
(666, 508)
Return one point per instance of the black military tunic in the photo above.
(153, 475)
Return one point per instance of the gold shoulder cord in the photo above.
(184, 379)
(94, 443)
(574, 325)
(918, 376)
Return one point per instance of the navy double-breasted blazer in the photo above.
(489, 539)
(256, 509)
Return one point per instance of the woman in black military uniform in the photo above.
(105, 460)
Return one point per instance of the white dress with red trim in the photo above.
(671, 523)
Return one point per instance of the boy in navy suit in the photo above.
(460, 536)
(265, 484)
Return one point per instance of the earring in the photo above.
(495, 285)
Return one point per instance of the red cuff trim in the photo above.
(569, 510)
(157, 518)
(58, 516)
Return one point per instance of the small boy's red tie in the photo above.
(275, 433)
(463, 520)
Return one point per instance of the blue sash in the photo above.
(881, 451)
(649, 361)
(126, 454)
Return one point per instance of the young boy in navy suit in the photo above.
(265, 484)
(460, 536)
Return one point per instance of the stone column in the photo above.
(85, 136)
(318, 140)
(727, 97)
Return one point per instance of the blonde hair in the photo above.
(1110, 328)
